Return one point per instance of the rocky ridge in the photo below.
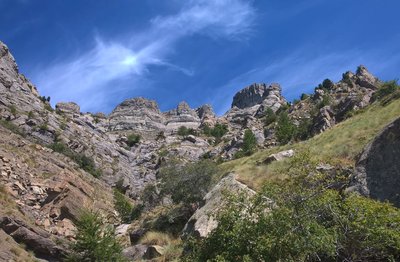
(47, 186)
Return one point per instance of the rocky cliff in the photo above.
(56, 161)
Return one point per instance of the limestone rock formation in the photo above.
(203, 220)
(68, 108)
(378, 168)
(259, 94)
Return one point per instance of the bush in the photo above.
(184, 131)
(386, 89)
(82, 160)
(95, 240)
(123, 206)
(133, 139)
(285, 129)
(218, 131)
(13, 110)
(328, 84)
(306, 220)
(303, 131)
(188, 183)
(326, 100)
(304, 96)
(249, 142)
(270, 117)
(12, 127)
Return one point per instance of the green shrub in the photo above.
(327, 84)
(303, 131)
(31, 115)
(48, 107)
(187, 183)
(285, 129)
(304, 96)
(386, 89)
(123, 206)
(249, 142)
(270, 117)
(218, 131)
(184, 131)
(13, 110)
(326, 100)
(133, 139)
(84, 162)
(303, 218)
(12, 127)
(43, 127)
(95, 240)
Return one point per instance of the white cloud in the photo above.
(93, 71)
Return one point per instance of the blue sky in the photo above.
(100, 52)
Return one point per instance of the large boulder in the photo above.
(378, 169)
(203, 220)
(68, 108)
(259, 94)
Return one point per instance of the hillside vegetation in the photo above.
(338, 146)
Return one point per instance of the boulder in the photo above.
(203, 221)
(279, 156)
(259, 94)
(377, 172)
(35, 239)
(68, 108)
(134, 253)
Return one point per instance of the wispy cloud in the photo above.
(93, 71)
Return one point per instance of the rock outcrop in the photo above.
(203, 220)
(378, 169)
(259, 94)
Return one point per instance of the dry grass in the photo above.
(339, 145)
(172, 246)
(156, 238)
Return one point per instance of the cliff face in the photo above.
(49, 188)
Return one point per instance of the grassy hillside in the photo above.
(338, 146)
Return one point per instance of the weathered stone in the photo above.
(68, 108)
(377, 172)
(257, 94)
(203, 220)
(279, 156)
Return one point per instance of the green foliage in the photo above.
(184, 131)
(326, 100)
(285, 129)
(13, 110)
(187, 183)
(48, 107)
(45, 99)
(95, 240)
(270, 117)
(43, 127)
(82, 160)
(218, 131)
(12, 127)
(304, 96)
(249, 144)
(303, 131)
(31, 115)
(123, 206)
(327, 84)
(303, 218)
(133, 139)
(385, 90)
